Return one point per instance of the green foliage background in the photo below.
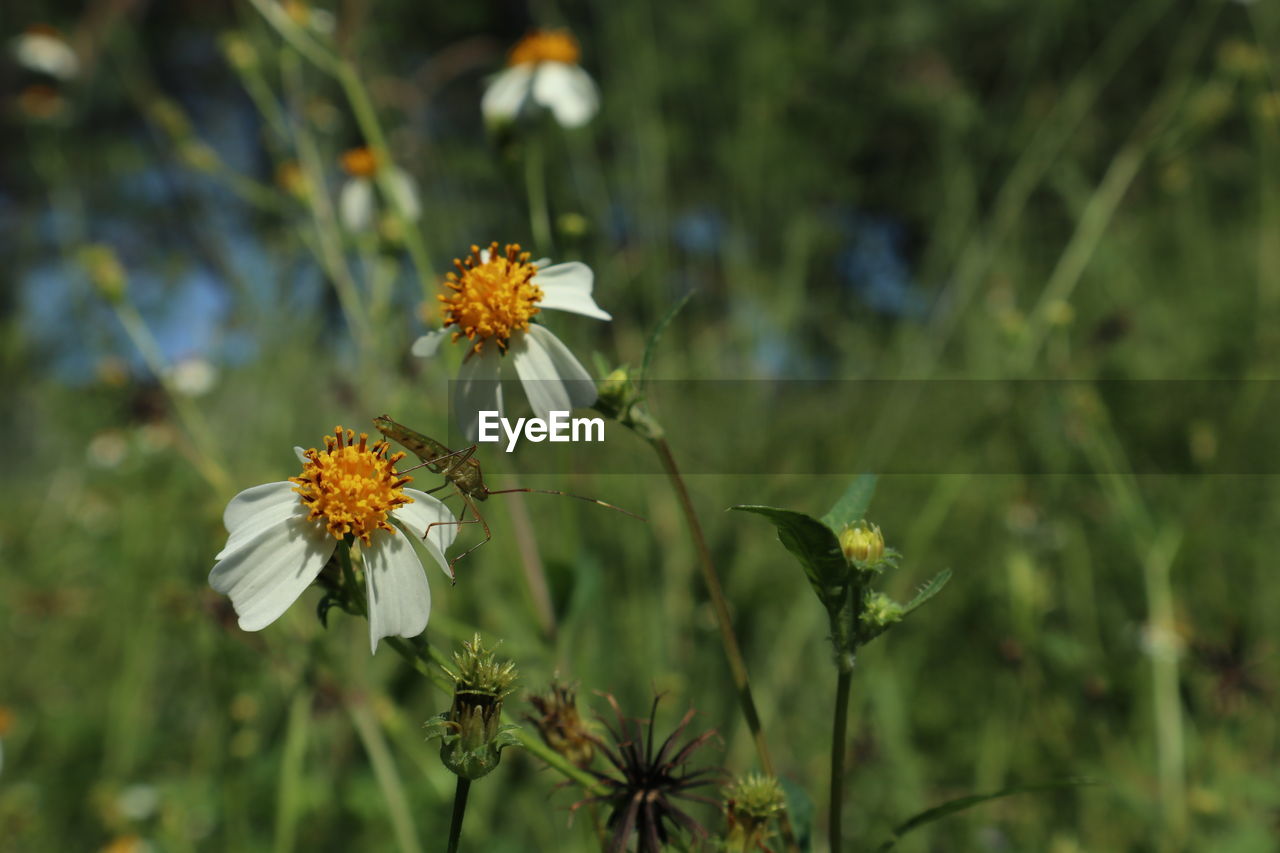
(1121, 159)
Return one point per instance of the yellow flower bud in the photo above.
(862, 542)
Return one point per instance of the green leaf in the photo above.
(812, 543)
(651, 346)
(800, 809)
(961, 803)
(853, 504)
(928, 591)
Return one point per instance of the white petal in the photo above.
(355, 204)
(267, 575)
(301, 454)
(567, 287)
(549, 373)
(405, 190)
(46, 54)
(399, 597)
(566, 90)
(427, 345)
(477, 389)
(254, 510)
(421, 514)
(506, 94)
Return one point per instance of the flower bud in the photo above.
(750, 803)
(862, 543)
(472, 734)
(561, 726)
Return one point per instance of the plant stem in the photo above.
(737, 665)
(535, 182)
(459, 811)
(839, 732)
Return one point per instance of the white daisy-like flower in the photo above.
(43, 49)
(282, 534)
(490, 302)
(356, 201)
(542, 69)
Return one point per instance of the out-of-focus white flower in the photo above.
(356, 202)
(542, 70)
(107, 449)
(138, 802)
(490, 302)
(282, 534)
(193, 376)
(43, 49)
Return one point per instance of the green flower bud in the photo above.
(878, 614)
(750, 803)
(621, 399)
(472, 734)
(862, 543)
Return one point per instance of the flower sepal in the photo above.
(472, 734)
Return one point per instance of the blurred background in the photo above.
(979, 190)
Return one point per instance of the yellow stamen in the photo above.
(545, 46)
(359, 163)
(351, 486)
(491, 299)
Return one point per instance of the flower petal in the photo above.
(506, 94)
(254, 510)
(566, 90)
(477, 389)
(552, 378)
(567, 287)
(355, 204)
(427, 345)
(405, 190)
(267, 575)
(399, 597)
(423, 513)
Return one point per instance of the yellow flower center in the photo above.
(490, 299)
(359, 163)
(351, 486)
(545, 46)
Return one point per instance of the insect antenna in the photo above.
(572, 495)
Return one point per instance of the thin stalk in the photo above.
(535, 182)
(459, 811)
(839, 733)
(732, 651)
(194, 423)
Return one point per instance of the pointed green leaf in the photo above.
(651, 346)
(928, 591)
(813, 544)
(853, 504)
(961, 803)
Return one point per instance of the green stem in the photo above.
(732, 651)
(535, 182)
(839, 733)
(459, 811)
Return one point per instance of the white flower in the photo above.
(282, 534)
(193, 376)
(42, 49)
(490, 302)
(356, 204)
(542, 70)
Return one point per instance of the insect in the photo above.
(461, 470)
